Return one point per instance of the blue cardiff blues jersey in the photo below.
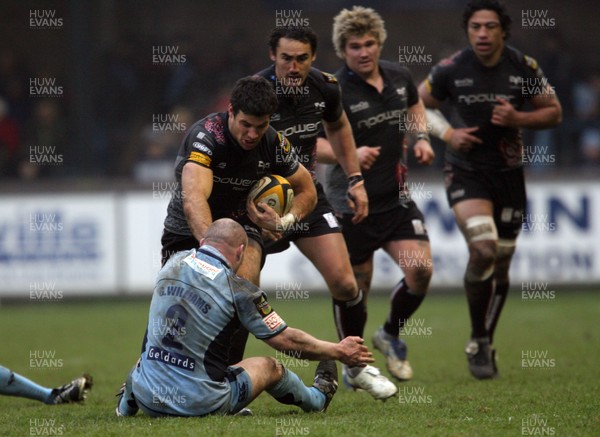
(197, 306)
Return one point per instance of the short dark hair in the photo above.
(490, 5)
(302, 34)
(253, 95)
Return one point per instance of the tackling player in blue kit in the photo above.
(197, 307)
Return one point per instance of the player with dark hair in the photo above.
(382, 102)
(250, 96)
(489, 5)
(309, 103)
(197, 306)
(13, 384)
(487, 84)
(219, 160)
(302, 34)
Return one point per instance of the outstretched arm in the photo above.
(350, 351)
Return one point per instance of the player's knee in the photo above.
(482, 256)
(275, 368)
(363, 281)
(504, 254)
(482, 253)
(482, 237)
(418, 274)
(418, 279)
(344, 288)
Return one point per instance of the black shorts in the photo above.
(320, 221)
(173, 243)
(364, 238)
(505, 189)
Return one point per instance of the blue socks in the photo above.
(290, 390)
(13, 384)
(127, 405)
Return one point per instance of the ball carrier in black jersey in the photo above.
(310, 102)
(485, 85)
(382, 102)
(219, 160)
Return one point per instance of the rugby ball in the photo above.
(275, 191)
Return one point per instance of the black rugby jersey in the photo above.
(302, 109)
(210, 144)
(376, 121)
(472, 89)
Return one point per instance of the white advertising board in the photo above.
(109, 243)
(144, 214)
(559, 243)
(57, 245)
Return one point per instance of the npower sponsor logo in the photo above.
(381, 118)
(482, 98)
(301, 129)
(237, 182)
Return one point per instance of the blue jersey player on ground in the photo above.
(197, 306)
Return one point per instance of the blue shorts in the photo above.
(240, 395)
(241, 389)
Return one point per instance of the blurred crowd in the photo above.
(141, 110)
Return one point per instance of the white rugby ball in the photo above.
(275, 191)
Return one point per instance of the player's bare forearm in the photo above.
(304, 203)
(305, 194)
(541, 118)
(325, 153)
(196, 186)
(340, 137)
(339, 134)
(366, 155)
(547, 112)
(198, 215)
(349, 351)
(417, 118)
(304, 345)
(418, 126)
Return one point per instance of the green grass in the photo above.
(104, 337)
